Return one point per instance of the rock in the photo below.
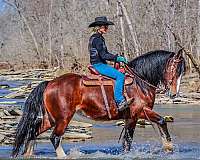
(78, 130)
(7, 142)
(140, 126)
(44, 136)
(120, 123)
(2, 114)
(143, 122)
(16, 95)
(15, 112)
(6, 112)
(194, 96)
(80, 124)
(8, 102)
(3, 86)
(4, 66)
(140, 123)
(76, 136)
(8, 117)
(2, 137)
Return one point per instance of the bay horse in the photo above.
(53, 103)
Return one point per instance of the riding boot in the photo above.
(124, 104)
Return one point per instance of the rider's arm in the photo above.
(102, 50)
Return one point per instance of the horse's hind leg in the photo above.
(56, 141)
(57, 134)
(29, 148)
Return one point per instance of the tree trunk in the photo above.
(61, 63)
(120, 14)
(133, 34)
(50, 36)
(16, 7)
(198, 31)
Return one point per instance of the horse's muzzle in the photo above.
(171, 95)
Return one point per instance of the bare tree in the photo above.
(56, 33)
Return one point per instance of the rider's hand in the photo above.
(122, 59)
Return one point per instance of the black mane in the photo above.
(150, 66)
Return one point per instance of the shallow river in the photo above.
(185, 132)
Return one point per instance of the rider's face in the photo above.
(103, 29)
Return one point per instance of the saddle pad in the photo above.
(94, 81)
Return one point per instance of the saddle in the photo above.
(95, 79)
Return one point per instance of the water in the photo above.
(113, 150)
(6, 91)
(185, 132)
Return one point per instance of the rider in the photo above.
(98, 56)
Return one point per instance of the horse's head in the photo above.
(161, 67)
(174, 70)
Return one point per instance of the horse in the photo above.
(53, 103)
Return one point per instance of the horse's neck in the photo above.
(142, 86)
(151, 68)
(152, 76)
(142, 93)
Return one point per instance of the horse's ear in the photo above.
(180, 53)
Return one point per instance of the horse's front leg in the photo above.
(148, 114)
(128, 135)
(130, 125)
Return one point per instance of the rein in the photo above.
(133, 74)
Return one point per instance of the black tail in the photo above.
(27, 128)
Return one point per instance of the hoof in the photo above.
(167, 146)
(168, 119)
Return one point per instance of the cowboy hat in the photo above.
(100, 21)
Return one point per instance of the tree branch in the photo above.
(16, 7)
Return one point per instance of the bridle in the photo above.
(170, 70)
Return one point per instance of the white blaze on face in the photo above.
(178, 83)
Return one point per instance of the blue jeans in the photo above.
(107, 70)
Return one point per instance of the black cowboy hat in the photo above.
(100, 21)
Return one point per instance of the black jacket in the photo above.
(98, 50)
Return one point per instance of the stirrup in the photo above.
(130, 100)
(125, 104)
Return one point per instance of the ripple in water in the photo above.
(112, 151)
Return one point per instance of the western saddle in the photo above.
(95, 79)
